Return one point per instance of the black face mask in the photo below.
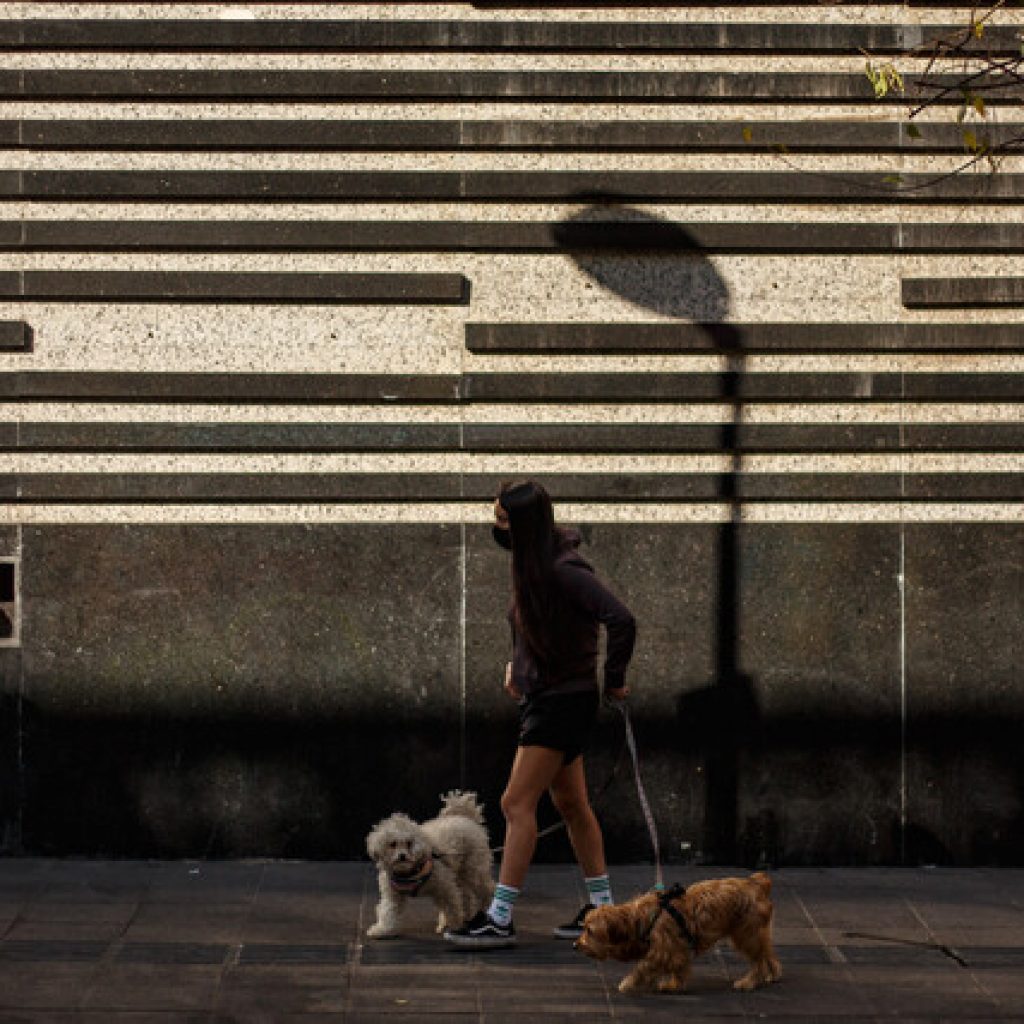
(503, 538)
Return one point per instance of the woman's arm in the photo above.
(584, 589)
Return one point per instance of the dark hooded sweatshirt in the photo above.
(587, 605)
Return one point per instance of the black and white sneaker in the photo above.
(574, 929)
(481, 932)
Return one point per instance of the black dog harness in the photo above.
(410, 885)
(665, 907)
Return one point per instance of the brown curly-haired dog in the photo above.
(666, 932)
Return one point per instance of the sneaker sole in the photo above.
(467, 942)
(565, 933)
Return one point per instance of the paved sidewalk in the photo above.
(176, 942)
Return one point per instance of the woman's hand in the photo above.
(510, 688)
(619, 693)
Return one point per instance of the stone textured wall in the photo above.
(285, 290)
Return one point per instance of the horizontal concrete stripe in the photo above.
(963, 292)
(117, 513)
(452, 62)
(827, 165)
(428, 86)
(184, 287)
(461, 463)
(507, 135)
(586, 339)
(616, 37)
(755, 387)
(15, 336)
(937, 416)
(510, 236)
(568, 5)
(368, 487)
(513, 186)
(472, 110)
(489, 388)
(34, 436)
(315, 389)
(493, 213)
(883, 11)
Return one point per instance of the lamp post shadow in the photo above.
(671, 275)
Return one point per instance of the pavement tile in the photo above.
(444, 977)
(993, 956)
(154, 987)
(170, 922)
(106, 1017)
(202, 882)
(248, 991)
(52, 950)
(413, 1003)
(80, 912)
(962, 913)
(172, 953)
(318, 878)
(33, 985)
(809, 994)
(307, 953)
(1005, 986)
(894, 991)
(280, 919)
(40, 931)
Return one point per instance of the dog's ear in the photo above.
(375, 844)
(620, 931)
(609, 926)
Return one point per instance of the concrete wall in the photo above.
(281, 304)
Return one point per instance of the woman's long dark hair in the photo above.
(536, 541)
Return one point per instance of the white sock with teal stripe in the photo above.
(599, 888)
(500, 910)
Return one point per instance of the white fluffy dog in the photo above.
(447, 858)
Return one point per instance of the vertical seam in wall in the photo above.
(902, 586)
(462, 654)
(462, 560)
(902, 566)
(19, 581)
(19, 606)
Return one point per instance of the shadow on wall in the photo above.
(248, 785)
(658, 266)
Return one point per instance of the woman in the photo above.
(558, 606)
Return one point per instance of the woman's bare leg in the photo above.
(533, 771)
(569, 795)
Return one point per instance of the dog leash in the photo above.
(623, 709)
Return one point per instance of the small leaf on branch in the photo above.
(893, 179)
(979, 29)
(913, 131)
(748, 135)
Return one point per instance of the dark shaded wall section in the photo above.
(234, 690)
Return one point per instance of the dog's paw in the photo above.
(628, 984)
(671, 984)
(747, 983)
(379, 931)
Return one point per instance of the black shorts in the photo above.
(560, 721)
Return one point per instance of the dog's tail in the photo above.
(456, 803)
(762, 881)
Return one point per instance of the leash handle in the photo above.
(623, 709)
